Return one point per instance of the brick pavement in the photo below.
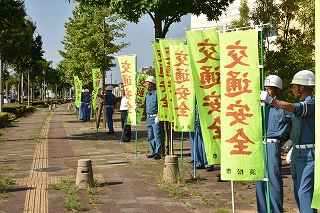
(44, 148)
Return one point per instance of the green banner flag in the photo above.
(183, 95)
(241, 121)
(165, 52)
(96, 77)
(78, 90)
(316, 192)
(203, 46)
(161, 86)
(128, 67)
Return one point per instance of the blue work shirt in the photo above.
(151, 102)
(109, 99)
(303, 122)
(277, 122)
(86, 98)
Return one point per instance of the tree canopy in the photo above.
(163, 12)
(92, 37)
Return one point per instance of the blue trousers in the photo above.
(302, 172)
(154, 136)
(109, 113)
(81, 111)
(86, 112)
(200, 154)
(275, 182)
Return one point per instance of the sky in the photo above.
(50, 16)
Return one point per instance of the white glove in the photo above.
(156, 120)
(89, 106)
(264, 96)
(288, 157)
(137, 106)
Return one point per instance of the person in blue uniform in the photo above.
(109, 101)
(277, 123)
(302, 136)
(86, 105)
(81, 107)
(153, 123)
(198, 154)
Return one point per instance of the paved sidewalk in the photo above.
(44, 148)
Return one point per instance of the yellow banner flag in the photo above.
(183, 95)
(78, 90)
(241, 121)
(203, 47)
(165, 52)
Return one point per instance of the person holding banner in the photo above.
(126, 128)
(109, 101)
(302, 136)
(153, 123)
(277, 122)
(86, 105)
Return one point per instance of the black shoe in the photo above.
(110, 133)
(209, 169)
(200, 167)
(150, 156)
(157, 156)
(190, 161)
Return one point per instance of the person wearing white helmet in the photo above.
(153, 124)
(109, 101)
(277, 123)
(302, 136)
(86, 105)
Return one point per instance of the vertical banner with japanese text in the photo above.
(316, 192)
(141, 95)
(241, 122)
(183, 94)
(78, 90)
(128, 68)
(161, 87)
(96, 77)
(203, 47)
(165, 53)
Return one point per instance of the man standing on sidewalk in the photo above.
(302, 136)
(126, 128)
(153, 123)
(277, 122)
(109, 101)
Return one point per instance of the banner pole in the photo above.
(136, 74)
(264, 144)
(232, 196)
(181, 152)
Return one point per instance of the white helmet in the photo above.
(109, 88)
(83, 90)
(273, 81)
(304, 77)
(151, 79)
(86, 90)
